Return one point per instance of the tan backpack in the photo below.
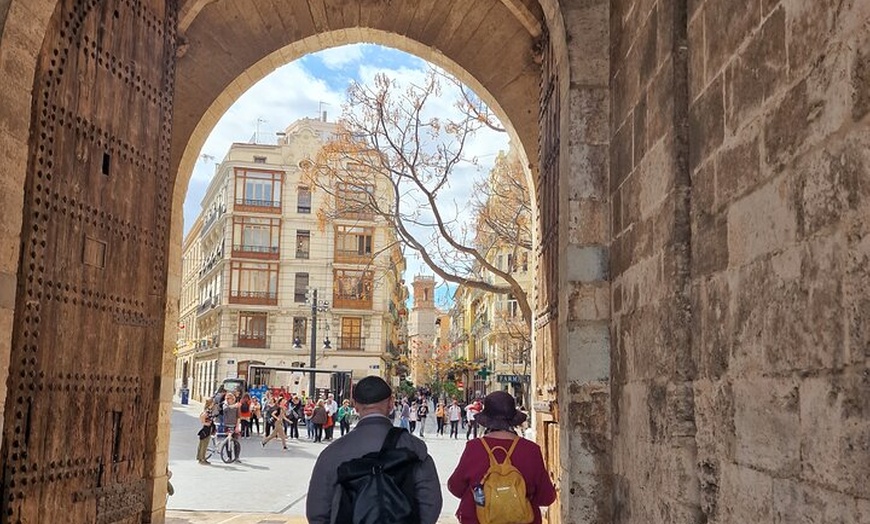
(504, 491)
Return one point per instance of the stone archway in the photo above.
(464, 33)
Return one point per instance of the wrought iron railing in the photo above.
(267, 250)
(254, 297)
(251, 340)
(350, 344)
(210, 303)
(253, 202)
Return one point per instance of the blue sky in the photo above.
(318, 82)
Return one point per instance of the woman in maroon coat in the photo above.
(500, 416)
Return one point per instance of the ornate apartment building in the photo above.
(257, 255)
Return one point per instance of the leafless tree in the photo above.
(395, 156)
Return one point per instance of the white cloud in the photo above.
(339, 57)
(284, 96)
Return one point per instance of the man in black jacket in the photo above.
(373, 401)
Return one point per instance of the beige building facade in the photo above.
(261, 248)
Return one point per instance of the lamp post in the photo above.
(316, 306)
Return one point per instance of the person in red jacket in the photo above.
(500, 416)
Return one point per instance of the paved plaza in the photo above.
(269, 485)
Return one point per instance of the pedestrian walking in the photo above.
(294, 413)
(278, 415)
(206, 420)
(331, 407)
(268, 411)
(318, 419)
(218, 399)
(308, 410)
(422, 413)
(405, 415)
(344, 413)
(471, 412)
(412, 417)
(440, 418)
(500, 444)
(245, 413)
(454, 415)
(373, 399)
(256, 412)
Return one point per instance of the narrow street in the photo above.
(269, 483)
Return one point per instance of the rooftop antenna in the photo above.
(321, 112)
(257, 132)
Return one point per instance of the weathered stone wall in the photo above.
(741, 390)
(653, 420)
(781, 261)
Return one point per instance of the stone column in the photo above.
(584, 283)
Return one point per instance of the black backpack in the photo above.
(378, 488)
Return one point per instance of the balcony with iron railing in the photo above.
(354, 210)
(350, 344)
(251, 340)
(352, 302)
(207, 343)
(352, 256)
(258, 252)
(254, 298)
(258, 206)
(211, 218)
(209, 304)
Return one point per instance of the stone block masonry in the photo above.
(763, 388)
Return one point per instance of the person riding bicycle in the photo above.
(231, 419)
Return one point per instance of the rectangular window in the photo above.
(303, 243)
(252, 329)
(351, 334)
(256, 237)
(300, 330)
(353, 244)
(303, 200)
(352, 289)
(354, 200)
(253, 283)
(513, 307)
(301, 288)
(258, 191)
(259, 159)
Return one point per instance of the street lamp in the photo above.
(321, 306)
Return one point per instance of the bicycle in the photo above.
(227, 445)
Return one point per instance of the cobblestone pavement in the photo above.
(269, 485)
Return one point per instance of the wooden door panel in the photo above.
(87, 348)
(547, 282)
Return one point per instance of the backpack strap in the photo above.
(392, 438)
(508, 452)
